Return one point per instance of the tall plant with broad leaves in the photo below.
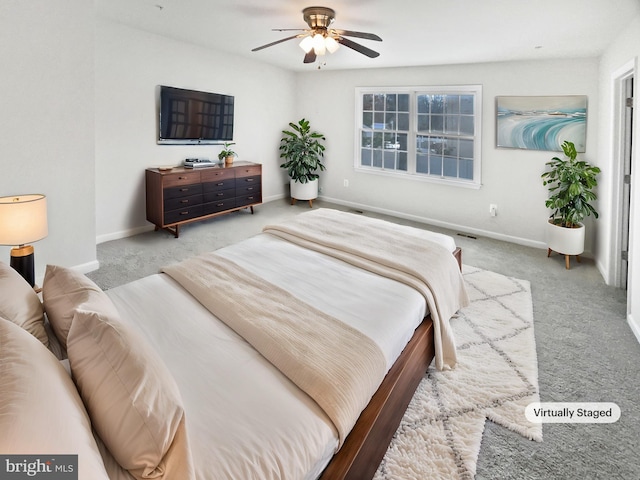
(303, 152)
(571, 183)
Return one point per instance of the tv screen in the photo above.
(193, 117)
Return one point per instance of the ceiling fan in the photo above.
(319, 38)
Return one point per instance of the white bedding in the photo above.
(244, 418)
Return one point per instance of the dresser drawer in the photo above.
(218, 195)
(183, 178)
(249, 171)
(175, 216)
(249, 199)
(220, 184)
(243, 182)
(218, 206)
(182, 191)
(216, 174)
(181, 202)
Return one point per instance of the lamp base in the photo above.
(22, 261)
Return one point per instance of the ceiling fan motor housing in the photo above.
(318, 17)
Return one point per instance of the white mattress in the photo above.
(244, 418)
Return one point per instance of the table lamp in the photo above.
(23, 220)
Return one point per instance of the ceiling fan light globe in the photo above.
(318, 44)
(306, 44)
(331, 44)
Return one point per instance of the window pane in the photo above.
(378, 120)
(391, 103)
(366, 139)
(367, 119)
(452, 124)
(403, 121)
(367, 102)
(466, 169)
(402, 139)
(390, 159)
(365, 157)
(377, 158)
(466, 149)
(423, 103)
(437, 124)
(451, 147)
(390, 122)
(450, 167)
(423, 123)
(402, 161)
(378, 102)
(435, 165)
(466, 125)
(377, 140)
(403, 102)
(437, 104)
(421, 164)
(466, 104)
(452, 104)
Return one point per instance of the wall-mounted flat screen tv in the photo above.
(192, 117)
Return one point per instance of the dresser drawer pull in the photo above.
(220, 194)
(249, 179)
(182, 178)
(220, 184)
(249, 189)
(220, 205)
(249, 198)
(184, 213)
(184, 201)
(184, 189)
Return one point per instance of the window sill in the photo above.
(420, 178)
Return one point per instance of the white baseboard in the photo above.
(635, 326)
(123, 234)
(438, 223)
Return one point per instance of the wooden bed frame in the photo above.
(365, 447)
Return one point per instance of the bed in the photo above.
(215, 395)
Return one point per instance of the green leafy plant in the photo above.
(571, 183)
(226, 151)
(303, 152)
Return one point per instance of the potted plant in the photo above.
(303, 151)
(227, 154)
(571, 183)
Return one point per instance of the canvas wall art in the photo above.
(541, 123)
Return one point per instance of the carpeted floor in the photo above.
(586, 351)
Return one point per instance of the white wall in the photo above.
(46, 120)
(510, 177)
(129, 65)
(623, 53)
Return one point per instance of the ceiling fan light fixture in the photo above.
(331, 44)
(318, 44)
(306, 44)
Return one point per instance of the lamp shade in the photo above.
(23, 219)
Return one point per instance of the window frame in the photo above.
(411, 173)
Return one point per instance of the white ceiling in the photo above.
(414, 32)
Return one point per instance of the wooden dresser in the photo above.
(184, 195)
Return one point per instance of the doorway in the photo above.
(626, 141)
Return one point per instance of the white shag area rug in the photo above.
(496, 378)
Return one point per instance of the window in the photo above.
(428, 133)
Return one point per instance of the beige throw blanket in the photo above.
(379, 247)
(336, 365)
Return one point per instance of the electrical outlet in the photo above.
(346, 182)
(493, 209)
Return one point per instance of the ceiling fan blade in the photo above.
(349, 33)
(274, 43)
(310, 57)
(357, 47)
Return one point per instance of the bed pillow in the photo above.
(20, 304)
(64, 291)
(131, 397)
(41, 412)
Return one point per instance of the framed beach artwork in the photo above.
(541, 123)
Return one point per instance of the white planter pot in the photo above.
(567, 241)
(304, 191)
